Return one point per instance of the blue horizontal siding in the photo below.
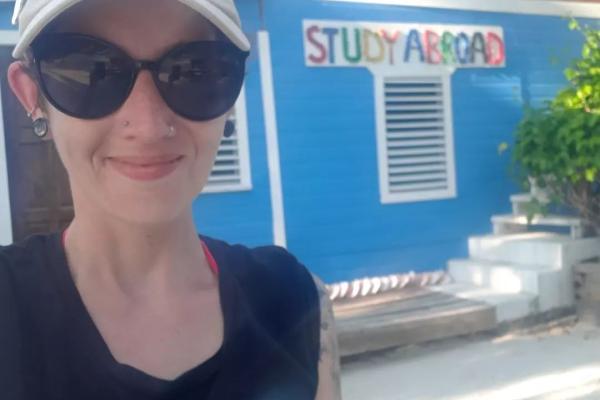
(335, 221)
(244, 217)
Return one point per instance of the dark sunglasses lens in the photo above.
(83, 77)
(202, 80)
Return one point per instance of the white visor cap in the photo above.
(34, 15)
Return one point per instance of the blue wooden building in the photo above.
(368, 131)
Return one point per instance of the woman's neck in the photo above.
(135, 258)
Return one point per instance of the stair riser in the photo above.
(519, 208)
(553, 288)
(504, 280)
(533, 253)
(507, 307)
(514, 310)
(556, 290)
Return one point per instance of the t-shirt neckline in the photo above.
(99, 352)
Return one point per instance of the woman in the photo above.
(128, 303)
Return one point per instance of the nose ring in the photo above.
(171, 131)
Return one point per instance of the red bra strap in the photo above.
(211, 260)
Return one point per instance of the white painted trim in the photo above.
(8, 37)
(6, 236)
(449, 122)
(379, 74)
(536, 7)
(241, 121)
(229, 188)
(241, 127)
(268, 93)
(382, 165)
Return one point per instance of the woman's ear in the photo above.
(27, 91)
(25, 88)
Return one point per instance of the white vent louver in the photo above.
(231, 169)
(417, 139)
(226, 170)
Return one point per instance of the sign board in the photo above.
(368, 44)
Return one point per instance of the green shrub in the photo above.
(558, 144)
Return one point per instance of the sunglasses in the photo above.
(88, 78)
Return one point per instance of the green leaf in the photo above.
(590, 174)
(573, 24)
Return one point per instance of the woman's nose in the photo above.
(145, 110)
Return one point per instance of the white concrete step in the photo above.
(501, 276)
(518, 202)
(534, 249)
(509, 306)
(521, 198)
(507, 223)
(552, 286)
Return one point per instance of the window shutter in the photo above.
(416, 154)
(231, 170)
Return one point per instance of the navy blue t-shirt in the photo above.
(50, 348)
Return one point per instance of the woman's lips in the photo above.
(145, 168)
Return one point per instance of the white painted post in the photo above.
(7, 38)
(270, 117)
(5, 218)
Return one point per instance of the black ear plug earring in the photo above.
(229, 128)
(40, 125)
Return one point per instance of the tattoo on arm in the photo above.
(329, 357)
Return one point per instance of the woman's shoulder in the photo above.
(271, 277)
(267, 264)
(21, 264)
(24, 265)
(29, 252)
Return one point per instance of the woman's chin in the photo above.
(157, 203)
(148, 211)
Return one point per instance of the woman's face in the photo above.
(116, 164)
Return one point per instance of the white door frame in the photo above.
(270, 112)
(7, 38)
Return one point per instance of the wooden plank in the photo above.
(418, 318)
(399, 313)
(434, 301)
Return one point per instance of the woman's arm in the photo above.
(329, 365)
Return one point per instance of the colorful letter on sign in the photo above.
(365, 44)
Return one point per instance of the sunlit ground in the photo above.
(560, 364)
